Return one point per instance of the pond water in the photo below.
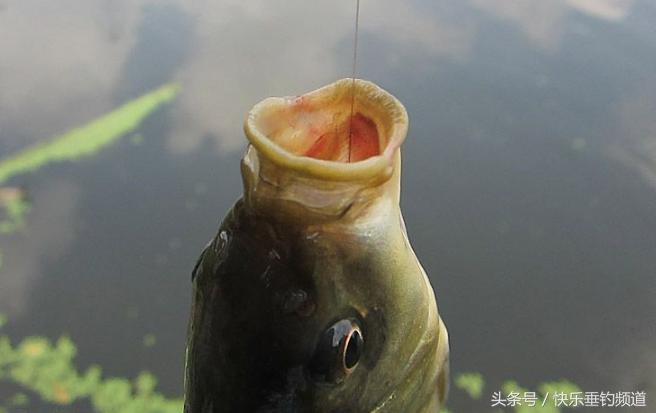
(529, 174)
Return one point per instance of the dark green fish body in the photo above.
(310, 298)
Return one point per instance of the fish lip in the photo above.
(372, 167)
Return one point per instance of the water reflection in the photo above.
(60, 64)
(545, 22)
(244, 51)
(637, 148)
(612, 10)
(228, 55)
(30, 254)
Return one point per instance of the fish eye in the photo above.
(338, 352)
(353, 349)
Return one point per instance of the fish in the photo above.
(310, 297)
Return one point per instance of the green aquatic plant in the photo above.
(90, 138)
(471, 383)
(16, 210)
(83, 141)
(47, 370)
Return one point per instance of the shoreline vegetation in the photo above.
(40, 368)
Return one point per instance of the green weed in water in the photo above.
(16, 210)
(471, 383)
(83, 141)
(90, 138)
(47, 370)
(36, 364)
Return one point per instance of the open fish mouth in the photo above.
(319, 133)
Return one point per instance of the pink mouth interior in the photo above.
(360, 143)
(323, 132)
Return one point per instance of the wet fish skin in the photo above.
(279, 275)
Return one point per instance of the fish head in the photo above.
(310, 298)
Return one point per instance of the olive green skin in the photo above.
(266, 289)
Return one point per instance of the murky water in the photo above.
(529, 184)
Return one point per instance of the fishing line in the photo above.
(355, 61)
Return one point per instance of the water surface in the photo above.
(529, 181)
